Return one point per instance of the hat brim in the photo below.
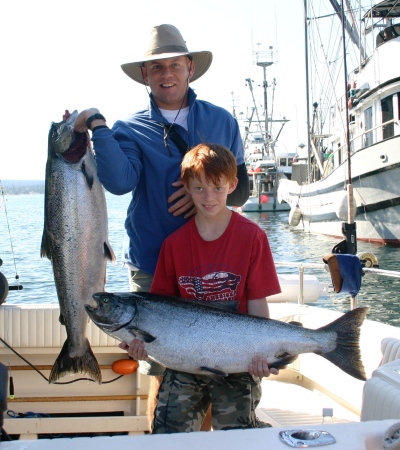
(202, 61)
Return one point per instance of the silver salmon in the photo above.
(75, 239)
(195, 337)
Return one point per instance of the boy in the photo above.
(218, 256)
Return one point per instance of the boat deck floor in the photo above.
(285, 404)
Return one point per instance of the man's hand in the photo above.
(135, 349)
(185, 203)
(259, 367)
(83, 116)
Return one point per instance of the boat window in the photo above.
(387, 116)
(368, 137)
(282, 162)
(398, 106)
(387, 34)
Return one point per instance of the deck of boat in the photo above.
(284, 404)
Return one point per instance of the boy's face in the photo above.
(210, 198)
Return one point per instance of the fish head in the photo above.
(67, 143)
(112, 311)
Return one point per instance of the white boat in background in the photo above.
(317, 192)
(265, 165)
(265, 176)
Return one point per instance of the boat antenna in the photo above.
(233, 105)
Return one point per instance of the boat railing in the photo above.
(370, 136)
(302, 266)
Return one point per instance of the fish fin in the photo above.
(214, 371)
(88, 176)
(347, 354)
(66, 364)
(45, 248)
(61, 319)
(142, 335)
(283, 360)
(294, 322)
(109, 253)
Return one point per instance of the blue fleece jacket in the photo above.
(132, 156)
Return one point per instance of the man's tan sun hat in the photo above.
(166, 41)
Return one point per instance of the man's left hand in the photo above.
(185, 203)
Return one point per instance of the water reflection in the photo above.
(379, 293)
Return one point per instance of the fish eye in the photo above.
(105, 299)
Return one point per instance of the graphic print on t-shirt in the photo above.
(215, 286)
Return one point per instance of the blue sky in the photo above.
(66, 55)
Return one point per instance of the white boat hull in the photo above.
(376, 190)
(267, 204)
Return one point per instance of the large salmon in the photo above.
(195, 337)
(75, 240)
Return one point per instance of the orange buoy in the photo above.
(125, 366)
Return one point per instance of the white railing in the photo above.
(301, 266)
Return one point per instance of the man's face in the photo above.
(168, 80)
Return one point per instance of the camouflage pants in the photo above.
(183, 401)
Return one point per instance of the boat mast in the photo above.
(354, 36)
(249, 82)
(264, 60)
(349, 244)
(307, 93)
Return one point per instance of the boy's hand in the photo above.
(135, 349)
(259, 367)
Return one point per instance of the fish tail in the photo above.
(347, 354)
(66, 364)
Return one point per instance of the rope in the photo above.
(9, 230)
(43, 376)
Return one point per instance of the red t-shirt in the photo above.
(236, 266)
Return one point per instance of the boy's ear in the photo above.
(232, 185)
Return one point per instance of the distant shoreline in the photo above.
(19, 187)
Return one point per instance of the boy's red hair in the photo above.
(214, 160)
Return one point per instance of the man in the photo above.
(142, 153)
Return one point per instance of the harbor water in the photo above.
(21, 227)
